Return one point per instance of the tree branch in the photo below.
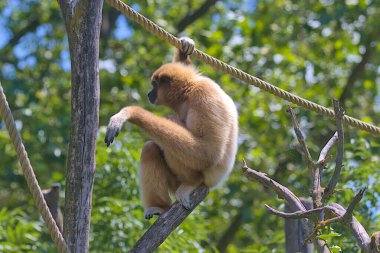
(5, 51)
(191, 16)
(308, 214)
(356, 71)
(346, 217)
(167, 222)
(109, 18)
(31, 26)
(321, 216)
(353, 225)
(235, 224)
(301, 139)
(339, 113)
(282, 192)
(317, 190)
(326, 149)
(293, 202)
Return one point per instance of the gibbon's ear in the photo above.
(182, 55)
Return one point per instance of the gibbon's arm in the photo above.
(169, 135)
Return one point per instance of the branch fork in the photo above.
(320, 215)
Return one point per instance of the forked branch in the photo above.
(339, 113)
(321, 216)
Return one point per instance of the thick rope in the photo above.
(29, 175)
(219, 65)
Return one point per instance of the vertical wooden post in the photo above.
(295, 232)
(83, 21)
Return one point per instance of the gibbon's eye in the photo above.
(164, 79)
(154, 83)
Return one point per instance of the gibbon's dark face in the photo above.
(159, 90)
(152, 94)
(171, 84)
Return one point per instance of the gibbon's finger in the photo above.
(107, 139)
(151, 211)
(187, 45)
(111, 133)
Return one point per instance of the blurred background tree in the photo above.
(317, 49)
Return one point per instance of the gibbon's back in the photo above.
(221, 112)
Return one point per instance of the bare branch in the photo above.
(30, 27)
(236, 222)
(337, 213)
(354, 202)
(281, 190)
(167, 222)
(193, 15)
(346, 217)
(317, 191)
(353, 226)
(301, 139)
(326, 149)
(308, 214)
(358, 69)
(339, 113)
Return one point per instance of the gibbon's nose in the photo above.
(152, 96)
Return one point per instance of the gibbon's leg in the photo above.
(156, 180)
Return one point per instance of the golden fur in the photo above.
(196, 145)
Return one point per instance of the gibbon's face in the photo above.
(160, 86)
(170, 84)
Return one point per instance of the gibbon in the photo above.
(196, 145)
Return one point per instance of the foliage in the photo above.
(19, 233)
(309, 48)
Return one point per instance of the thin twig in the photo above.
(326, 149)
(339, 113)
(338, 214)
(354, 202)
(353, 226)
(298, 214)
(345, 217)
(317, 190)
(301, 139)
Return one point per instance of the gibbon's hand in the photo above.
(113, 129)
(188, 45)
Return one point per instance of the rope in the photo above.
(29, 175)
(219, 65)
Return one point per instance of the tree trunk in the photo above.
(295, 233)
(83, 20)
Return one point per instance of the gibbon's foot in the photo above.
(183, 195)
(188, 45)
(150, 211)
(113, 129)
